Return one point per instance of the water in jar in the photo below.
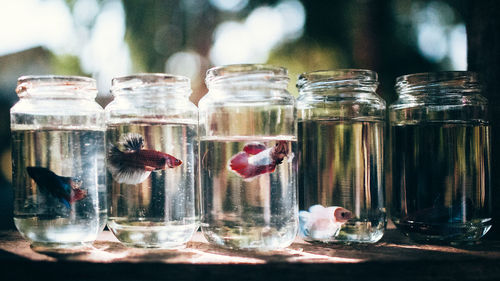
(441, 180)
(249, 188)
(58, 175)
(341, 181)
(152, 204)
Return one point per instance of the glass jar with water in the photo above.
(248, 158)
(341, 124)
(441, 157)
(58, 169)
(152, 160)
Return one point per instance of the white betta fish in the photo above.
(322, 223)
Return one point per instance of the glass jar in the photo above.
(441, 157)
(341, 124)
(248, 164)
(152, 160)
(58, 167)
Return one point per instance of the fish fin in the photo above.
(129, 175)
(149, 168)
(304, 217)
(66, 183)
(304, 223)
(254, 148)
(132, 142)
(316, 208)
(65, 202)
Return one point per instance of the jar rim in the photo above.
(65, 82)
(337, 76)
(258, 71)
(150, 80)
(450, 78)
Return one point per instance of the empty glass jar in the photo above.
(152, 160)
(58, 161)
(248, 158)
(441, 157)
(341, 124)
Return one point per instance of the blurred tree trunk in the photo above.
(483, 37)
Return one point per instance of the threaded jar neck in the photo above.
(342, 79)
(56, 86)
(438, 83)
(151, 85)
(248, 76)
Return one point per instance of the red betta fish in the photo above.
(256, 159)
(66, 189)
(135, 164)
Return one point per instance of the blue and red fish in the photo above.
(256, 159)
(322, 223)
(66, 189)
(134, 164)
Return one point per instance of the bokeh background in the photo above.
(109, 38)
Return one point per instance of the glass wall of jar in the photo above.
(341, 124)
(441, 157)
(248, 158)
(152, 160)
(58, 167)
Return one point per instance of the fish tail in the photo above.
(121, 172)
(31, 171)
(115, 156)
(51, 183)
(239, 161)
(239, 164)
(247, 171)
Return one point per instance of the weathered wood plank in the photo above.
(393, 258)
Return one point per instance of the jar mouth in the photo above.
(55, 85)
(246, 72)
(150, 81)
(444, 80)
(337, 78)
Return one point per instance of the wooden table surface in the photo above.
(393, 258)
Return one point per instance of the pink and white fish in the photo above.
(256, 159)
(322, 223)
